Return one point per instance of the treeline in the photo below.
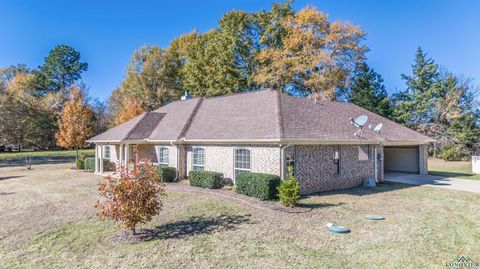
(301, 53)
(34, 103)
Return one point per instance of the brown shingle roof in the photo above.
(255, 116)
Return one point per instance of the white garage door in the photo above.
(401, 159)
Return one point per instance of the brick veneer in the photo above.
(315, 168)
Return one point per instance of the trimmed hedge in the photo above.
(166, 174)
(81, 159)
(261, 186)
(205, 179)
(89, 164)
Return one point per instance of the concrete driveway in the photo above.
(435, 181)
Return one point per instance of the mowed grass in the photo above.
(23, 154)
(460, 169)
(47, 220)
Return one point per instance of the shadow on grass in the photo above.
(362, 191)
(449, 174)
(20, 161)
(193, 226)
(317, 205)
(9, 177)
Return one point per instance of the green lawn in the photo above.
(47, 220)
(460, 169)
(23, 154)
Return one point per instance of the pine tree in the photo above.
(369, 92)
(75, 122)
(414, 106)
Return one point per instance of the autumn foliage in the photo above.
(75, 122)
(129, 111)
(132, 198)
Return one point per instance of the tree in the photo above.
(75, 122)
(61, 69)
(128, 112)
(7, 75)
(414, 106)
(317, 55)
(133, 197)
(25, 119)
(368, 91)
(145, 81)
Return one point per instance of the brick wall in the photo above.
(316, 171)
(219, 158)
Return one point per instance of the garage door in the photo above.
(401, 159)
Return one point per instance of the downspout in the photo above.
(282, 159)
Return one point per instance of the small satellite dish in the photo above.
(378, 128)
(359, 122)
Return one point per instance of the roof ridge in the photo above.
(190, 118)
(135, 127)
(280, 113)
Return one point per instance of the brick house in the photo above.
(267, 131)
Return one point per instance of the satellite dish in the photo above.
(378, 128)
(359, 122)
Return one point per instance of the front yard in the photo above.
(47, 220)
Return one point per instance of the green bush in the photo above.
(205, 179)
(262, 186)
(166, 174)
(81, 159)
(89, 164)
(289, 192)
(450, 154)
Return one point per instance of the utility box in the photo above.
(476, 164)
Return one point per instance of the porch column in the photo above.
(120, 153)
(96, 159)
(127, 156)
(101, 159)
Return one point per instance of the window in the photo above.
(198, 159)
(242, 161)
(106, 152)
(162, 155)
(336, 159)
(364, 152)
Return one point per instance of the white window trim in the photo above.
(193, 159)
(158, 150)
(105, 147)
(234, 162)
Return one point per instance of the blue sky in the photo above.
(107, 32)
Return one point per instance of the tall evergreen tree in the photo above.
(62, 68)
(368, 91)
(414, 106)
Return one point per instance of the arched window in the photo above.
(198, 159)
(242, 161)
(162, 155)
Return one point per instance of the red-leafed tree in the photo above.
(132, 198)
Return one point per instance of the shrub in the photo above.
(450, 154)
(262, 186)
(289, 192)
(166, 174)
(133, 198)
(89, 164)
(205, 179)
(80, 164)
(81, 159)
